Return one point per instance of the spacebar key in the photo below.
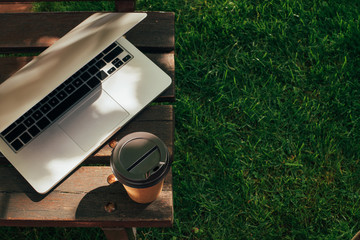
(68, 102)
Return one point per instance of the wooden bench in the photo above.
(85, 198)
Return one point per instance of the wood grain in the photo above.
(9, 65)
(125, 5)
(157, 119)
(79, 201)
(6, 7)
(26, 32)
(15, 1)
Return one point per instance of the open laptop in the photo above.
(59, 108)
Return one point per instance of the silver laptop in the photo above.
(64, 104)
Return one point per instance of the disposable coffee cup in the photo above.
(140, 161)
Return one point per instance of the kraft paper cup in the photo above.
(140, 161)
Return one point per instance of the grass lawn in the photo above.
(267, 121)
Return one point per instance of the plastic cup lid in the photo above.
(140, 160)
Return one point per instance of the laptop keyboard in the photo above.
(60, 100)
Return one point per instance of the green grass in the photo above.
(267, 122)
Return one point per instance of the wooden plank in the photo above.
(160, 31)
(57, 0)
(7, 7)
(120, 233)
(166, 62)
(9, 65)
(125, 5)
(156, 119)
(154, 34)
(79, 201)
(161, 125)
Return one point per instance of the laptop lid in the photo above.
(38, 78)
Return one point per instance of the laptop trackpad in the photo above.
(92, 121)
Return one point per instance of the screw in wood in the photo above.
(113, 143)
(111, 179)
(110, 207)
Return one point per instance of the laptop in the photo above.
(65, 103)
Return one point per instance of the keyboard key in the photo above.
(17, 144)
(109, 48)
(45, 108)
(15, 133)
(78, 82)
(116, 60)
(111, 70)
(20, 119)
(126, 58)
(53, 102)
(36, 107)
(85, 76)
(101, 75)
(114, 53)
(53, 93)
(69, 89)
(91, 62)
(119, 63)
(44, 100)
(62, 86)
(8, 129)
(28, 113)
(68, 102)
(100, 64)
(43, 123)
(93, 82)
(99, 56)
(77, 74)
(61, 95)
(25, 138)
(93, 70)
(37, 115)
(69, 80)
(34, 130)
(29, 121)
(83, 69)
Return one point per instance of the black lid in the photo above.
(140, 160)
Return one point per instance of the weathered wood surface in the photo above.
(156, 119)
(27, 32)
(125, 5)
(79, 201)
(9, 65)
(21, 1)
(8, 7)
